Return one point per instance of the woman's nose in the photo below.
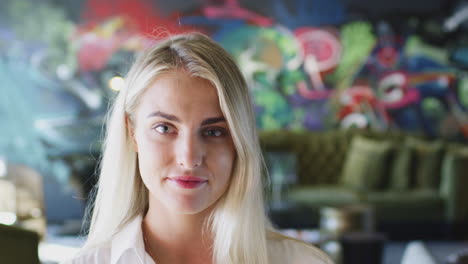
(190, 151)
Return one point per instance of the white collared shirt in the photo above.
(128, 246)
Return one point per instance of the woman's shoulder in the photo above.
(283, 249)
(91, 256)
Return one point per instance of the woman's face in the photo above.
(185, 149)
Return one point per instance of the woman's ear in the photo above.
(131, 132)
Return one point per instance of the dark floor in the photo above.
(440, 250)
(303, 217)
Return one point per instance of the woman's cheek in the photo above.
(224, 156)
(154, 155)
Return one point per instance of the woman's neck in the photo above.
(176, 238)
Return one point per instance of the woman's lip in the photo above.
(188, 178)
(188, 182)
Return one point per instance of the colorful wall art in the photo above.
(314, 65)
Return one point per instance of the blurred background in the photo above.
(322, 66)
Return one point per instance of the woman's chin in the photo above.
(187, 206)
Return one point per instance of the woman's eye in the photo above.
(214, 132)
(163, 129)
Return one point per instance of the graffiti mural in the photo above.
(309, 64)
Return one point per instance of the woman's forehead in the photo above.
(178, 92)
(181, 82)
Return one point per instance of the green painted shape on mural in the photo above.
(245, 37)
(463, 91)
(262, 81)
(285, 42)
(297, 123)
(288, 89)
(288, 81)
(276, 112)
(357, 41)
(433, 107)
(287, 45)
(416, 47)
(271, 101)
(46, 24)
(268, 122)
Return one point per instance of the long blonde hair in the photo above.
(238, 222)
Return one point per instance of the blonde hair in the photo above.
(238, 223)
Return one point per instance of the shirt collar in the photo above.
(129, 237)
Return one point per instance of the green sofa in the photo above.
(404, 178)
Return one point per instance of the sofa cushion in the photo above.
(326, 195)
(410, 205)
(454, 181)
(367, 163)
(400, 178)
(427, 161)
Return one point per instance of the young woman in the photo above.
(180, 178)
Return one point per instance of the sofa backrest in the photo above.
(320, 155)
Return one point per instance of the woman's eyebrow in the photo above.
(164, 115)
(208, 121)
(213, 120)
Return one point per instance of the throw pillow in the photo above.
(366, 163)
(427, 162)
(454, 181)
(401, 169)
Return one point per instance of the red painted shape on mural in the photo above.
(148, 19)
(94, 55)
(464, 130)
(411, 96)
(312, 94)
(321, 43)
(353, 98)
(110, 25)
(321, 52)
(232, 9)
(387, 56)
